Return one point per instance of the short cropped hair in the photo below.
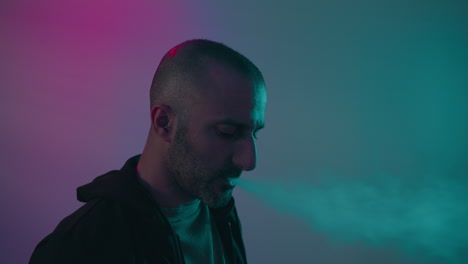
(181, 71)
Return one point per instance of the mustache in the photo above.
(231, 173)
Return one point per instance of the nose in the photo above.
(245, 156)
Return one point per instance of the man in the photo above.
(173, 203)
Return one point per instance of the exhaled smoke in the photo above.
(427, 220)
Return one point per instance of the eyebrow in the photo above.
(233, 122)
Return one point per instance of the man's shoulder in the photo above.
(97, 228)
(99, 217)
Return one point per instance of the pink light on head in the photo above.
(173, 51)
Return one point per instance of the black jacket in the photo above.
(122, 223)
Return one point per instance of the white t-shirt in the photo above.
(199, 238)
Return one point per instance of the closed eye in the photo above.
(232, 136)
(227, 135)
(236, 131)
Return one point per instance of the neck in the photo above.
(155, 177)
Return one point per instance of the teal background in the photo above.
(366, 92)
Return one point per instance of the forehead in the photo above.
(230, 95)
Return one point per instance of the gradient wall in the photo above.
(356, 88)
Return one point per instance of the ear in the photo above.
(162, 121)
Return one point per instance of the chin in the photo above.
(217, 200)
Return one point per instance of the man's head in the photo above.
(207, 104)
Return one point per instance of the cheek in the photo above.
(213, 149)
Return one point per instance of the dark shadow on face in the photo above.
(194, 175)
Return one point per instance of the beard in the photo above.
(193, 175)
